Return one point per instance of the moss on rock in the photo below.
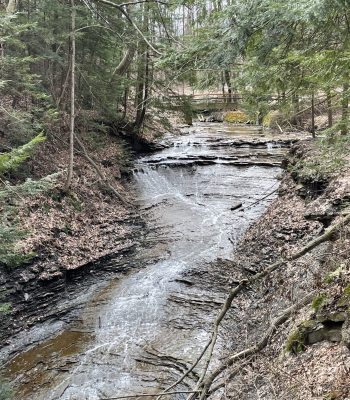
(296, 342)
(344, 300)
(318, 302)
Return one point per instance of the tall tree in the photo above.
(72, 99)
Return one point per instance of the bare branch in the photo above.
(256, 347)
(131, 3)
(131, 22)
(132, 396)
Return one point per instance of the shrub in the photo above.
(236, 117)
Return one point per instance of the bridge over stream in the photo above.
(205, 101)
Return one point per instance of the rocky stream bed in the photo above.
(134, 321)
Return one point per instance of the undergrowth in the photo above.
(328, 158)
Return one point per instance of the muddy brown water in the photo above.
(140, 333)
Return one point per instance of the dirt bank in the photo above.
(72, 235)
(308, 357)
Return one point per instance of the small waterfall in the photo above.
(155, 321)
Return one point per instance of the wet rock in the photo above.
(26, 277)
(236, 206)
(321, 211)
(184, 281)
(333, 316)
(311, 332)
(324, 333)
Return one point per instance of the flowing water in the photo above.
(141, 332)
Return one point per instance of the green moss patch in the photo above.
(296, 342)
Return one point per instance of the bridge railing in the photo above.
(208, 98)
(215, 98)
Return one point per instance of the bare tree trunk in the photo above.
(329, 109)
(11, 7)
(72, 100)
(345, 111)
(143, 74)
(296, 119)
(145, 89)
(125, 98)
(140, 84)
(228, 83)
(223, 85)
(313, 130)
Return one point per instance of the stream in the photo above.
(138, 334)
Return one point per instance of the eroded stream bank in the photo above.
(139, 333)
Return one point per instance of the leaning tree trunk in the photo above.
(72, 100)
(124, 64)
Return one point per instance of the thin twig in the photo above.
(132, 396)
(133, 3)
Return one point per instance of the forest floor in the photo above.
(308, 357)
(70, 234)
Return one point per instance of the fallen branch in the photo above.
(297, 114)
(243, 284)
(231, 375)
(261, 199)
(278, 126)
(132, 396)
(99, 172)
(256, 347)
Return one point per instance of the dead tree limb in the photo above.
(86, 155)
(297, 114)
(124, 64)
(243, 284)
(133, 396)
(131, 22)
(231, 375)
(204, 389)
